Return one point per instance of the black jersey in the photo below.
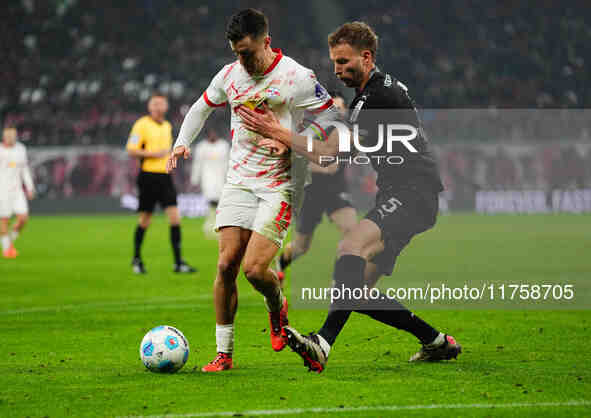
(385, 101)
(334, 182)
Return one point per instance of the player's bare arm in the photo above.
(190, 128)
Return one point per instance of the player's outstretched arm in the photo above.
(190, 128)
(213, 97)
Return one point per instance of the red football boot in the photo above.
(222, 362)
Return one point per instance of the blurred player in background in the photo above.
(14, 173)
(326, 194)
(256, 204)
(150, 141)
(210, 164)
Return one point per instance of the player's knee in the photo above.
(347, 229)
(174, 217)
(349, 246)
(228, 267)
(254, 271)
(144, 221)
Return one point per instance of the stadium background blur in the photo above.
(77, 73)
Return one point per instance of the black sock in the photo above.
(348, 274)
(283, 263)
(175, 240)
(393, 313)
(138, 239)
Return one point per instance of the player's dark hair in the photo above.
(357, 34)
(247, 22)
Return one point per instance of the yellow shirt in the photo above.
(149, 135)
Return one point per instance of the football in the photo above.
(164, 349)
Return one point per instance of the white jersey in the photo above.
(14, 170)
(288, 88)
(210, 165)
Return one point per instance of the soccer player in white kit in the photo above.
(256, 205)
(210, 165)
(14, 172)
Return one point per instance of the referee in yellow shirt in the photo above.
(150, 141)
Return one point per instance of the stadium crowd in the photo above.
(79, 71)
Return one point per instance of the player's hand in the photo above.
(277, 148)
(262, 121)
(181, 150)
(30, 194)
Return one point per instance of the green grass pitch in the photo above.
(72, 316)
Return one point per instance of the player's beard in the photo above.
(255, 66)
(352, 77)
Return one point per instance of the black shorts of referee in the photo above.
(155, 188)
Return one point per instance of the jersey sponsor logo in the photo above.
(134, 139)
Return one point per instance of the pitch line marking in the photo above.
(298, 411)
(134, 305)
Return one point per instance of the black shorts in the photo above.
(319, 200)
(155, 188)
(401, 213)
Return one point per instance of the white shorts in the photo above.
(14, 203)
(267, 212)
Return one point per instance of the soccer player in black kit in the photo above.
(406, 203)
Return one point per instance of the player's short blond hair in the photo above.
(357, 34)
